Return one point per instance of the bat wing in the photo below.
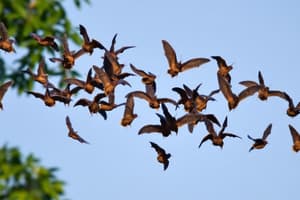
(83, 102)
(207, 137)
(251, 138)
(294, 133)
(224, 125)
(278, 93)
(166, 164)
(69, 124)
(181, 92)
(4, 87)
(249, 91)
(3, 32)
(225, 87)
(267, 132)
(261, 79)
(230, 135)
(171, 55)
(150, 129)
(138, 71)
(129, 106)
(36, 94)
(195, 62)
(248, 83)
(83, 32)
(41, 67)
(157, 148)
(75, 81)
(167, 100)
(97, 44)
(122, 49)
(65, 45)
(140, 94)
(220, 61)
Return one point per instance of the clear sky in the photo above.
(119, 164)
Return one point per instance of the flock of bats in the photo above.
(107, 77)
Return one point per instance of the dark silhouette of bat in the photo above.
(162, 156)
(72, 133)
(260, 143)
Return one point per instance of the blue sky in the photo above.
(119, 164)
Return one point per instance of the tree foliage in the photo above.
(24, 178)
(24, 17)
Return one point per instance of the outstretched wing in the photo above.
(166, 164)
(195, 62)
(207, 137)
(3, 32)
(290, 101)
(261, 79)
(75, 81)
(212, 118)
(249, 91)
(182, 93)
(189, 91)
(129, 106)
(82, 102)
(251, 138)
(294, 133)
(65, 45)
(140, 94)
(98, 97)
(122, 49)
(230, 135)
(80, 139)
(170, 54)
(157, 148)
(220, 61)
(41, 67)
(223, 126)
(138, 71)
(105, 79)
(4, 87)
(267, 132)
(113, 43)
(225, 87)
(151, 89)
(83, 32)
(278, 93)
(36, 94)
(210, 128)
(69, 124)
(167, 100)
(150, 129)
(212, 93)
(248, 83)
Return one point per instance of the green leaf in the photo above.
(24, 178)
(43, 17)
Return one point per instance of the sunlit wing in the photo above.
(248, 83)
(195, 62)
(151, 129)
(4, 87)
(170, 54)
